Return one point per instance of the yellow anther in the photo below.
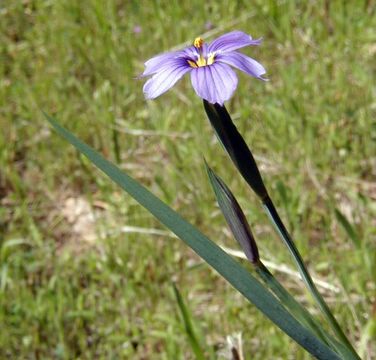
(192, 63)
(201, 61)
(198, 43)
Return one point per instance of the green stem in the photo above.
(115, 142)
(299, 311)
(282, 231)
(287, 300)
(243, 159)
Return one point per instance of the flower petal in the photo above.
(215, 83)
(154, 65)
(165, 78)
(191, 53)
(243, 63)
(232, 41)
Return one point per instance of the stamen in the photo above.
(198, 43)
(201, 61)
(192, 63)
(211, 58)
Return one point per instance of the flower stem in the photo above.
(285, 236)
(242, 157)
(286, 299)
(300, 312)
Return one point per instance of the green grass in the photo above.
(74, 287)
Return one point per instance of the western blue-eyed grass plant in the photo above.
(237, 275)
(214, 80)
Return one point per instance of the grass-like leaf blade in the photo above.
(195, 345)
(349, 229)
(224, 264)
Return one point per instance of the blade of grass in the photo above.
(349, 229)
(195, 345)
(224, 264)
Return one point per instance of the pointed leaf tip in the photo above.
(234, 216)
(235, 146)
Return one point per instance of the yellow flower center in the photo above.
(201, 61)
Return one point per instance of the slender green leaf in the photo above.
(349, 229)
(224, 264)
(195, 345)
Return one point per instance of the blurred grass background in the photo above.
(84, 271)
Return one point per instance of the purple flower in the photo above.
(209, 64)
(209, 25)
(137, 29)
